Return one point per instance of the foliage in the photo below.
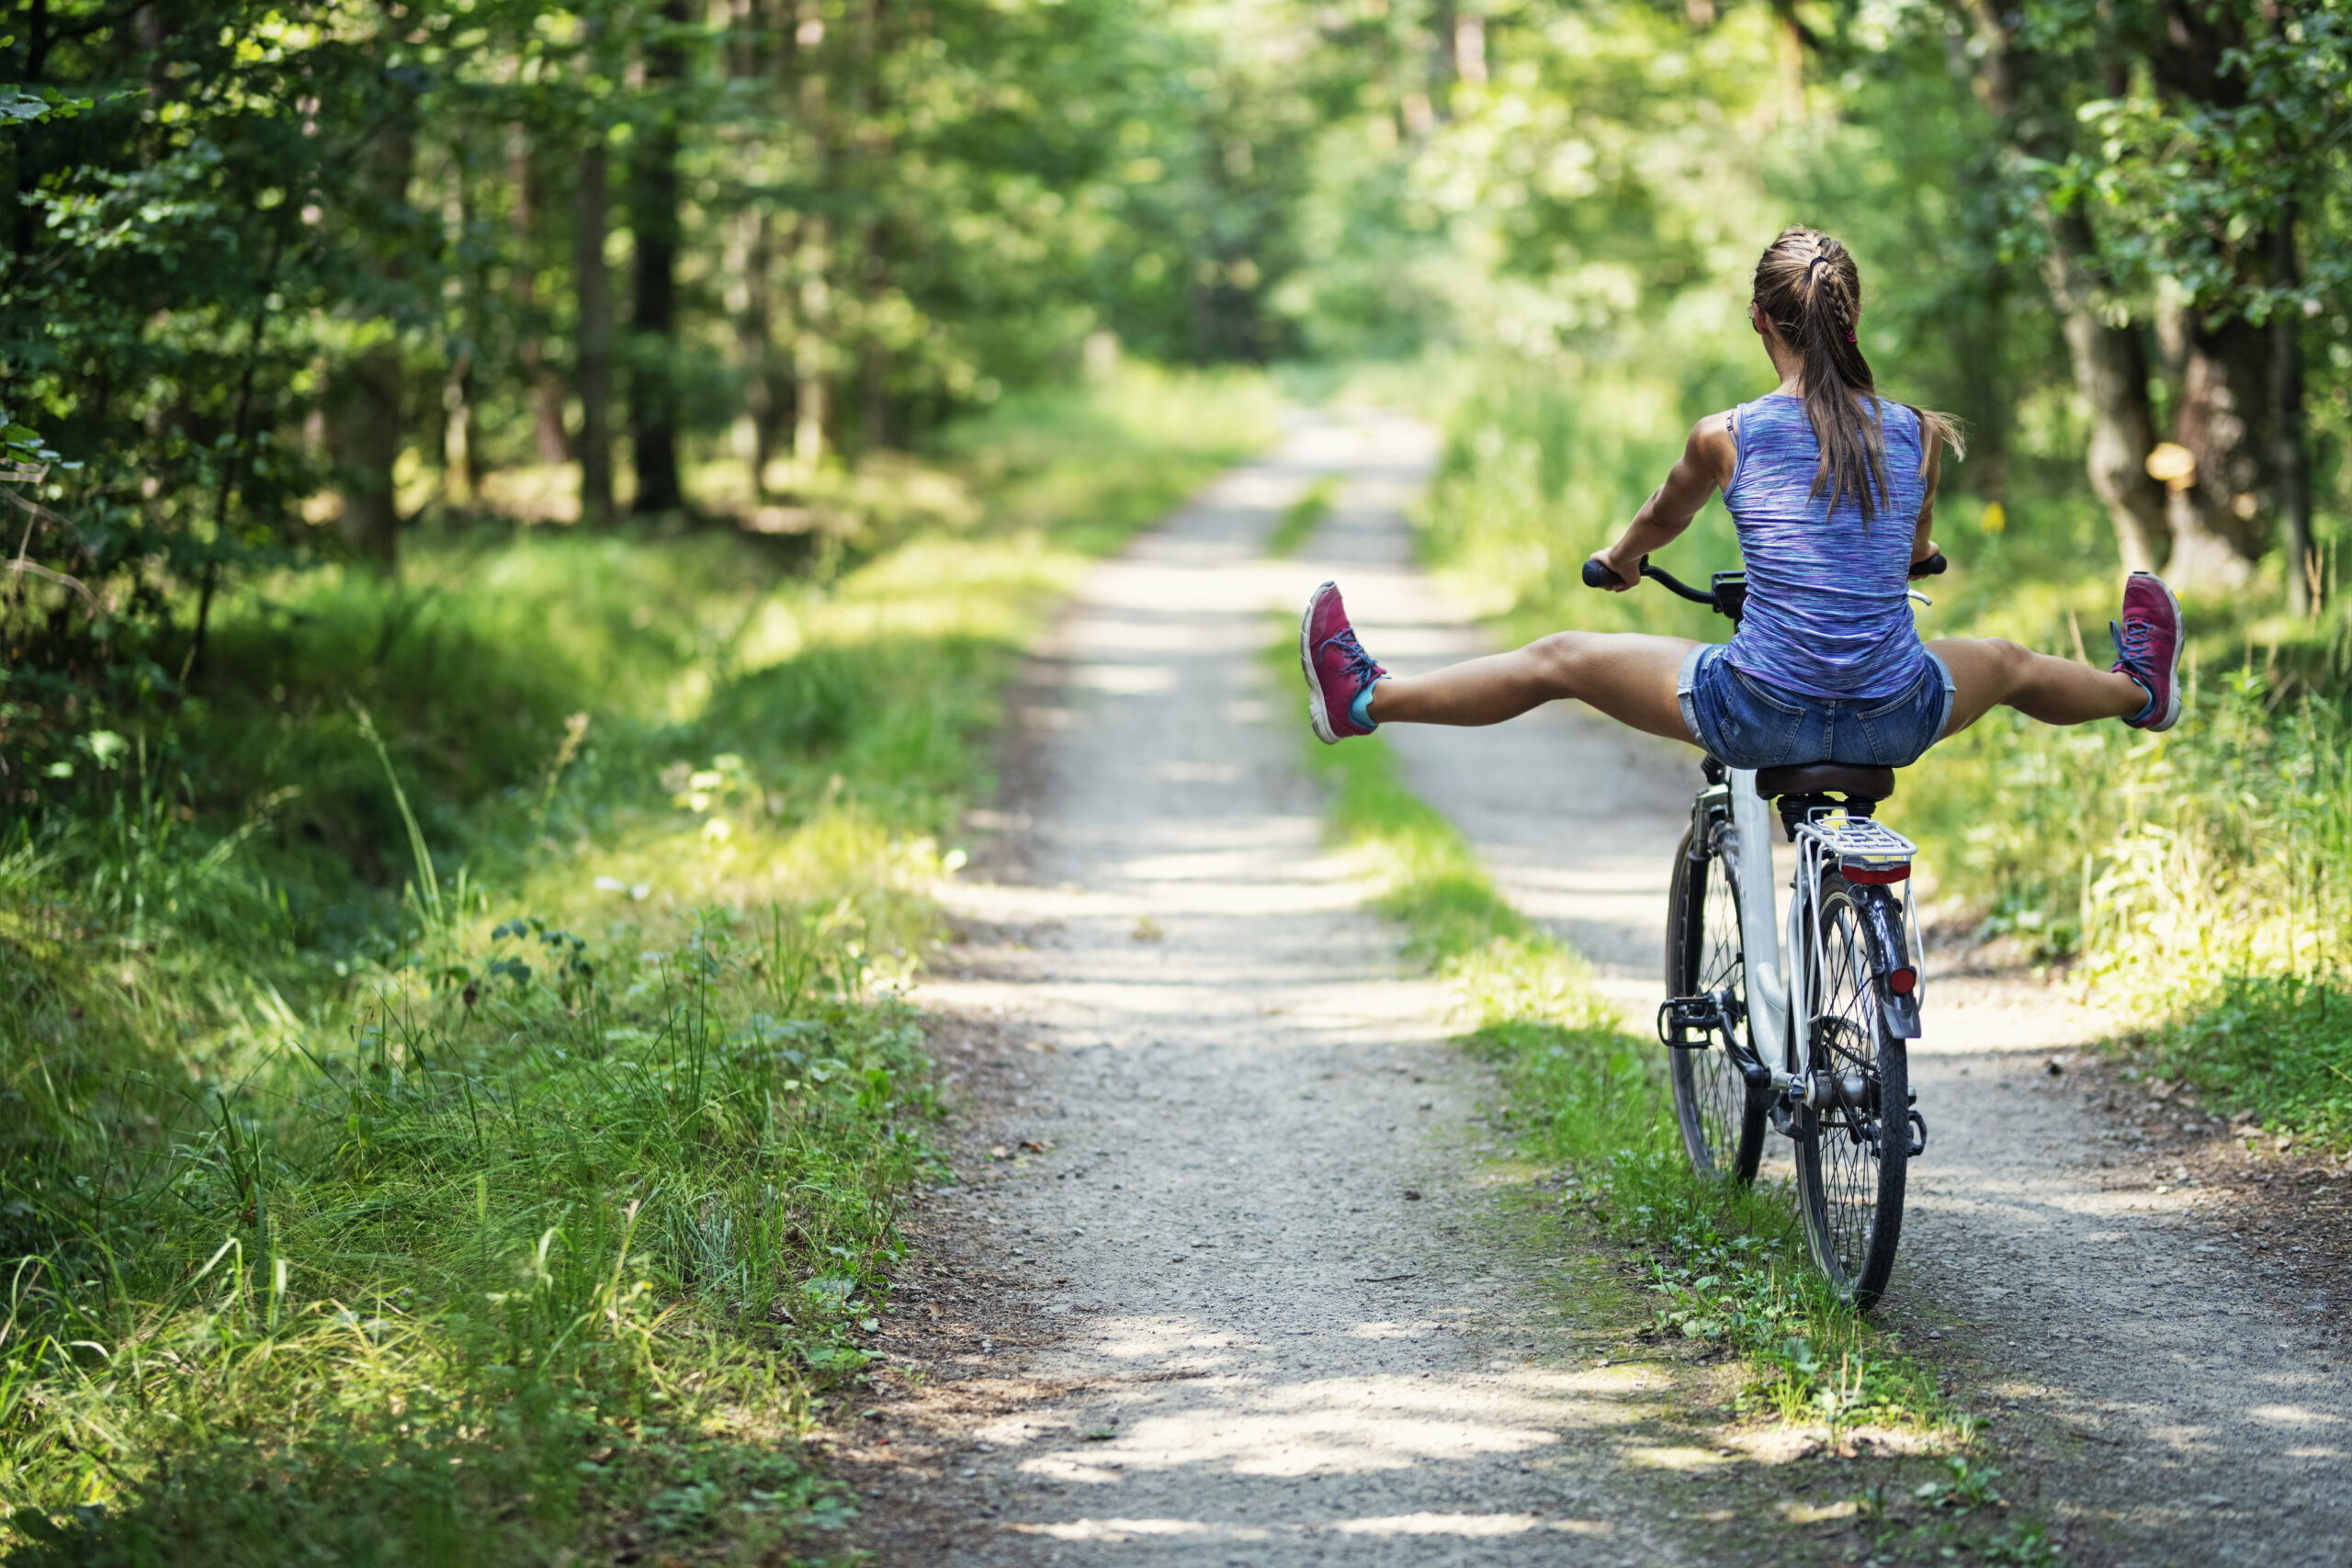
(2223, 130)
(460, 1099)
(2278, 1046)
(286, 284)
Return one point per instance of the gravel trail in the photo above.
(1264, 1351)
(1294, 1329)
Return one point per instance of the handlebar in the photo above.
(1598, 576)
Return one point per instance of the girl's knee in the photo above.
(1557, 657)
(2009, 664)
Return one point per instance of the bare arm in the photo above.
(1704, 467)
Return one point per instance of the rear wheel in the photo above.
(1722, 1120)
(1853, 1144)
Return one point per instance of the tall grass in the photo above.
(2199, 879)
(458, 1102)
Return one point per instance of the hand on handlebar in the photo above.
(1601, 571)
(1931, 567)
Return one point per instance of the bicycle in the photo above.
(1837, 1086)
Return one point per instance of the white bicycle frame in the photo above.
(1775, 992)
(1769, 1030)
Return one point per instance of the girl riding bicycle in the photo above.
(1832, 491)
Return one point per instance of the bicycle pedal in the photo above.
(1918, 1135)
(1688, 1023)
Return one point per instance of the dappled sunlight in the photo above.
(1466, 1525)
(2293, 1415)
(1391, 1330)
(1343, 1425)
(1124, 680)
(1682, 1458)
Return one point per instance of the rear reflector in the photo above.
(1876, 875)
(1903, 981)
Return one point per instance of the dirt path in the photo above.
(1227, 1329)
(1275, 1316)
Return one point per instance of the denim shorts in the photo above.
(1746, 723)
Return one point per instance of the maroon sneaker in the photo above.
(1337, 669)
(2147, 648)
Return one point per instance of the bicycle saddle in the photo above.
(1825, 778)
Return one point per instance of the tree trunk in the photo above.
(750, 260)
(458, 453)
(654, 229)
(754, 319)
(367, 442)
(594, 371)
(2112, 373)
(2110, 363)
(2218, 529)
(25, 164)
(2290, 452)
(368, 395)
(1985, 378)
(546, 388)
(810, 397)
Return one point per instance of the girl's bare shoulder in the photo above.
(1714, 444)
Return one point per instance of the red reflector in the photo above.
(1877, 875)
(1903, 981)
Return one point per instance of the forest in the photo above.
(522, 518)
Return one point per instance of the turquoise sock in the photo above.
(1359, 710)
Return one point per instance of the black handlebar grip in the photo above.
(1932, 566)
(1598, 576)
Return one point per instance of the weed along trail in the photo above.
(1261, 1302)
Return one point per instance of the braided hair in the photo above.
(1809, 289)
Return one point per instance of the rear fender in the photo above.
(1882, 929)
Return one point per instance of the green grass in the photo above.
(459, 1099)
(1588, 1097)
(1301, 517)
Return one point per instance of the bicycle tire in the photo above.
(1722, 1120)
(1850, 1162)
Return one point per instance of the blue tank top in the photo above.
(1825, 614)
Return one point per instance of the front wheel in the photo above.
(1721, 1118)
(1853, 1140)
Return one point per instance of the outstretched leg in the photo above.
(1990, 673)
(2142, 688)
(1627, 675)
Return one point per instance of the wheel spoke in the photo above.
(1723, 1092)
(1720, 1128)
(1846, 1143)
